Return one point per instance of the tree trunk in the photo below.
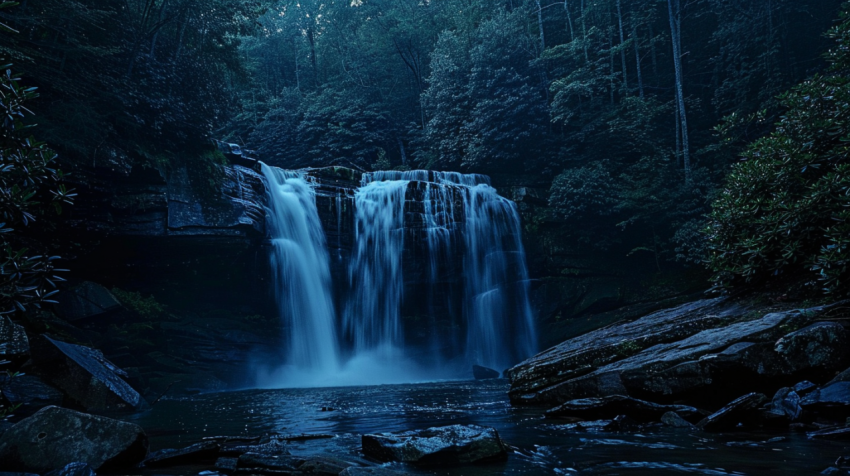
(637, 59)
(401, 149)
(312, 39)
(622, 49)
(583, 31)
(675, 22)
(540, 25)
(569, 20)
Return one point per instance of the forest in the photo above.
(301, 223)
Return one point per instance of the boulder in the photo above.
(834, 399)
(484, 373)
(440, 446)
(14, 345)
(86, 302)
(786, 402)
(29, 391)
(73, 469)
(56, 437)
(85, 375)
(204, 452)
(673, 419)
(823, 347)
(741, 410)
(612, 406)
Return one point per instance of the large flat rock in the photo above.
(56, 437)
(731, 349)
(85, 375)
(580, 355)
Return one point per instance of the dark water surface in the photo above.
(538, 445)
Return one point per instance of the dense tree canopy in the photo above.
(612, 106)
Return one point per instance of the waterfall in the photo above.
(436, 279)
(373, 315)
(300, 272)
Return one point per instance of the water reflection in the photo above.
(538, 446)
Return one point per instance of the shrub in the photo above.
(784, 209)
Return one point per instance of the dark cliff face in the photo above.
(202, 252)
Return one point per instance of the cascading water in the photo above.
(301, 275)
(466, 300)
(500, 323)
(375, 272)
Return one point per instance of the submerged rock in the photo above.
(370, 471)
(440, 446)
(55, 437)
(842, 433)
(267, 461)
(203, 452)
(741, 410)
(325, 465)
(85, 375)
(614, 405)
(484, 373)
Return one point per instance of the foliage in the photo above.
(784, 209)
(147, 307)
(30, 186)
(577, 193)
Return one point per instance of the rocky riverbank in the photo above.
(711, 365)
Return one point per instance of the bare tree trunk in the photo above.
(654, 53)
(622, 49)
(401, 149)
(583, 31)
(540, 26)
(675, 32)
(635, 39)
(569, 20)
(311, 38)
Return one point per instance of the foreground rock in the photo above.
(14, 344)
(30, 392)
(484, 373)
(612, 406)
(740, 411)
(441, 446)
(694, 353)
(204, 452)
(86, 302)
(56, 437)
(85, 375)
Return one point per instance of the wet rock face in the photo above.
(442, 446)
(56, 437)
(703, 349)
(85, 375)
(14, 344)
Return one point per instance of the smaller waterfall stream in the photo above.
(301, 274)
(375, 272)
